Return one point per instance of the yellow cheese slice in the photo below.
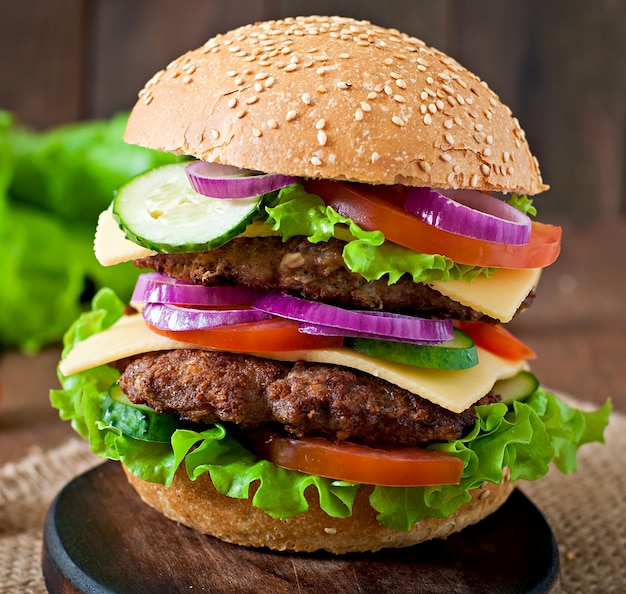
(498, 296)
(111, 246)
(453, 390)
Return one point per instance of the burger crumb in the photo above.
(330, 530)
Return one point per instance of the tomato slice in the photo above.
(269, 335)
(496, 339)
(391, 467)
(381, 208)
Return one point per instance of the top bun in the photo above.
(335, 98)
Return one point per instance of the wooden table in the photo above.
(577, 326)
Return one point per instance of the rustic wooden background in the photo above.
(559, 64)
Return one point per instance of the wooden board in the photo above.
(99, 537)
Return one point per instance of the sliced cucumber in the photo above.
(160, 210)
(457, 353)
(518, 387)
(136, 420)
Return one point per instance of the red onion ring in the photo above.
(470, 213)
(153, 287)
(373, 324)
(225, 181)
(170, 317)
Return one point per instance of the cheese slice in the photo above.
(110, 244)
(498, 296)
(453, 390)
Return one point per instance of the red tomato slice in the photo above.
(496, 339)
(381, 208)
(266, 336)
(391, 467)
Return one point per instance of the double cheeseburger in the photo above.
(314, 355)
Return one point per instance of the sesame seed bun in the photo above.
(198, 505)
(335, 98)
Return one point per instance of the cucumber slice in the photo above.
(517, 387)
(136, 420)
(457, 353)
(160, 210)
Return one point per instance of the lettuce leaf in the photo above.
(296, 212)
(525, 437)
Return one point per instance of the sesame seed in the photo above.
(394, 75)
(320, 124)
(478, 127)
(401, 83)
(256, 132)
(187, 79)
(321, 137)
(215, 134)
(506, 156)
(423, 95)
(366, 106)
(306, 98)
(445, 157)
(343, 85)
(474, 180)
(432, 108)
(484, 168)
(388, 90)
(449, 138)
(261, 76)
(375, 157)
(424, 166)
(428, 120)
(489, 139)
(269, 82)
(358, 114)
(240, 114)
(272, 124)
(321, 89)
(397, 121)
(448, 124)
(371, 95)
(231, 73)
(487, 152)
(252, 99)
(387, 61)
(399, 98)
(148, 99)
(344, 56)
(239, 81)
(315, 160)
(291, 115)
(290, 67)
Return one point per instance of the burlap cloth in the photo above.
(587, 512)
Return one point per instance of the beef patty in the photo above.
(305, 398)
(312, 271)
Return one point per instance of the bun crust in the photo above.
(198, 505)
(335, 98)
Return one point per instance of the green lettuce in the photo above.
(296, 212)
(525, 437)
(53, 185)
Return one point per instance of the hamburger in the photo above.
(314, 356)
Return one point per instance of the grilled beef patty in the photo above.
(305, 398)
(308, 270)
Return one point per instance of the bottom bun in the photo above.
(198, 505)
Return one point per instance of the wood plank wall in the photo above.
(559, 64)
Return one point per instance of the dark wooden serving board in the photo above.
(99, 537)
